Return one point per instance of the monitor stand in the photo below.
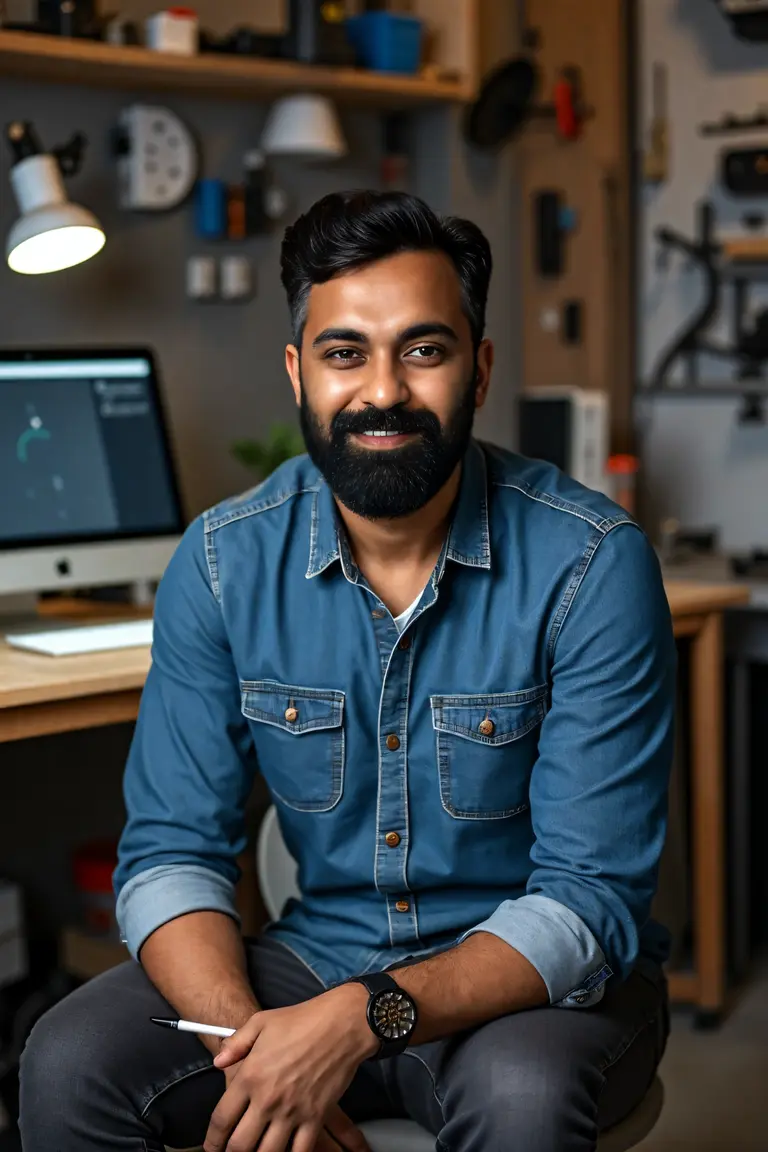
(19, 611)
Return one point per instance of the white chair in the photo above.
(277, 880)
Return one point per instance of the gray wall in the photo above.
(700, 464)
(222, 371)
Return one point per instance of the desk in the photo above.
(697, 613)
(41, 695)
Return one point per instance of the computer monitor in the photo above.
(88, 492)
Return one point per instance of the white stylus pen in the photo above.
(191, 1026)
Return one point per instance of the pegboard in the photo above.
(592, 174)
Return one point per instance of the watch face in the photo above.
(394, 1015)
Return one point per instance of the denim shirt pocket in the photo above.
(486, 746)
(299, 737)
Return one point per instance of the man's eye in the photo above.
(344, 354)
(425, 351)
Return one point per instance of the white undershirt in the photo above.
(404, 617)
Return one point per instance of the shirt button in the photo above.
(392, 839)
(392, 742)
(487, 727)
(404, 644)
(403, 906)
(378, 614)
(291, 715)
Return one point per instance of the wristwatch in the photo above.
(391, 1013)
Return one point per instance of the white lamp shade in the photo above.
(51, 233)
(54, 238)
(305, 126)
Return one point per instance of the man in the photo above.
(454, 669)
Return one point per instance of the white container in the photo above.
(174, 30)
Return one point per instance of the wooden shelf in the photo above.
(746, 249)
(57, 59)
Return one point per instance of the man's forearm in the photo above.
(197, 962)
(477, 981)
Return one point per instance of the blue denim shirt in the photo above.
(517, 736)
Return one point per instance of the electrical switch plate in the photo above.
(201, 278)
(157, 159)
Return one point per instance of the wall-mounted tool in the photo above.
(749, 18)
(573, 322)
(720, 261)
(730, 123)
(507, 102)
(157, 159)
(744, 171)
(554, 220)
(656, 159)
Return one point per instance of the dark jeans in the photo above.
(96, 1075)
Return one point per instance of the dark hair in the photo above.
(346, 230)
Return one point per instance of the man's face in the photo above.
(387, 382)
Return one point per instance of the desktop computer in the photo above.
(88, 488)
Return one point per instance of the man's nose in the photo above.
(385, 383)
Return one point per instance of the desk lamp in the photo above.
(51, 233)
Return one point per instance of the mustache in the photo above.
(406, 421)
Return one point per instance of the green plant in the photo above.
(283, 442)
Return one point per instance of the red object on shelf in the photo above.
(182, 13)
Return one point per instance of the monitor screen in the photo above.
(84, 453)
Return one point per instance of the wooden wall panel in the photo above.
(593, 174)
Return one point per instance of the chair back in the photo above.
(276, 868)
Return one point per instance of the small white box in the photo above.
(174, 30)
(13, 949)
(568, 427)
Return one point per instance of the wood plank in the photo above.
(683, 987)
(685, 626)
(708, 804)
(689, 597)
(746, 249)
(63, 60)
(593, 174)
(28, 678)
(47, 718)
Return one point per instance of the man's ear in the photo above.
(483, 372)
(293, 368)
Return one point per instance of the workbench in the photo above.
(42, 695)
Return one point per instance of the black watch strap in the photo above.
(375, 983)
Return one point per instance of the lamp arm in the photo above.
(69, 155)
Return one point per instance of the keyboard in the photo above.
(78, 639)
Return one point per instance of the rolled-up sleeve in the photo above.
(191, 764)
(598, 791)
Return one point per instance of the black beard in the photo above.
(388, 484)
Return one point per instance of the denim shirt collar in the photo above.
(468, 540)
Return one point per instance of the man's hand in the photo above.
(294, 1065)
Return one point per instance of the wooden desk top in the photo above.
(691, 598)
(28, 678)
